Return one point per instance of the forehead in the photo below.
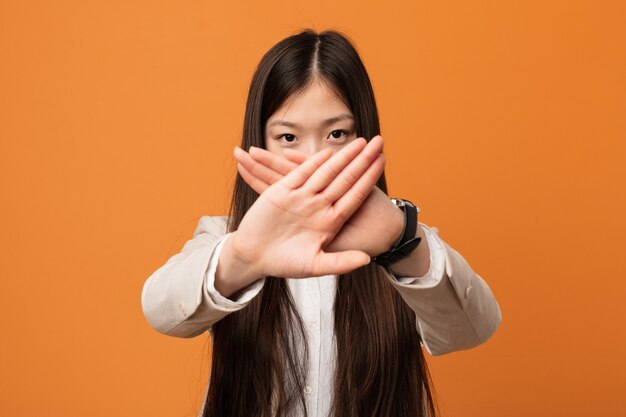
(315, 104)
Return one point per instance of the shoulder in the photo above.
(214, 225)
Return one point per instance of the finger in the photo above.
(351, 174)
(331, 168)
(278, 163)
(255, 168)
(340, 262)
(295, 156)
(355, 196)
(255, 183)
(298, 176)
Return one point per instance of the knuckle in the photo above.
(341, 217)
(348, 178)
(358, 193)
(330, 173)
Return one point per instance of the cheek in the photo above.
(341, 145)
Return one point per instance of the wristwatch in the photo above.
(408, 242)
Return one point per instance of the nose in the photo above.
(312, 146)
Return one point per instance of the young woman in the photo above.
(302, 321)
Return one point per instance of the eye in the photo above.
(337, 133)
(289, 138)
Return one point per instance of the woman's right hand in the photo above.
(284, 231)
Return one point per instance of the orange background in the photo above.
(504, 122)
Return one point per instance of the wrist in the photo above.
(408, 241)
(395, 224)
(417, 263)
(234, 271)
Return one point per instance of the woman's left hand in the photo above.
(373, 228)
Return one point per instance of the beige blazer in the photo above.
(457, 312)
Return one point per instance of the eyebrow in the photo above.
(325, 123)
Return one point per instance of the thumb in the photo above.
(340, 262)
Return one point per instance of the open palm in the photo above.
(285, 231)
(373, 228)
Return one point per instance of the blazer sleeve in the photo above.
(179, 299)
(454, 307)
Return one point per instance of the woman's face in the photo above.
(310, 122)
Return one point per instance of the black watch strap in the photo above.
(408, 242)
